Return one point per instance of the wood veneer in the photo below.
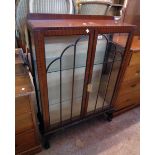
(26, 130)
(49, 25)
(129, 92)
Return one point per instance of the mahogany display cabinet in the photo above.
(77, 67)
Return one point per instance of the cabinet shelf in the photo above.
(85, 66)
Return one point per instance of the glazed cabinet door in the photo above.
(66, 58)
(106, 63)
(66, 65)
(77, 72)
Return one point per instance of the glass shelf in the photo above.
(85, 66)
(56, 66)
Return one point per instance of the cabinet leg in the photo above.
(109, 116)
(46, 143)
(41, 124)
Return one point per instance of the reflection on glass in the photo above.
(97, 70)
(105, 71)
(54, 47)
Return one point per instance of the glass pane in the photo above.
(65, 77)
(108, 58)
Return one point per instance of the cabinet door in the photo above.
(77, 72)
(66, 59)
(109, 54)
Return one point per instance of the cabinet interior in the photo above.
(66, 58)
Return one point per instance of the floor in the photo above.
(98, 137)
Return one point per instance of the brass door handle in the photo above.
(89, 88)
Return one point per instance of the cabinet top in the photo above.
(23, 85)
(52, 22)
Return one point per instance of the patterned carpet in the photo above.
(98, 137)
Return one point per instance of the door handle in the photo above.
(89, 88)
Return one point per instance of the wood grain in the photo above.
(25, 141)
(26, 130)
(22, 105)
(132, 14)
(23, 85)
(41, 26)
(23, 122)
(129, 92)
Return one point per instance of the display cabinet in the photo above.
(77, 67)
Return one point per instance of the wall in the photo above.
(132, 14)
